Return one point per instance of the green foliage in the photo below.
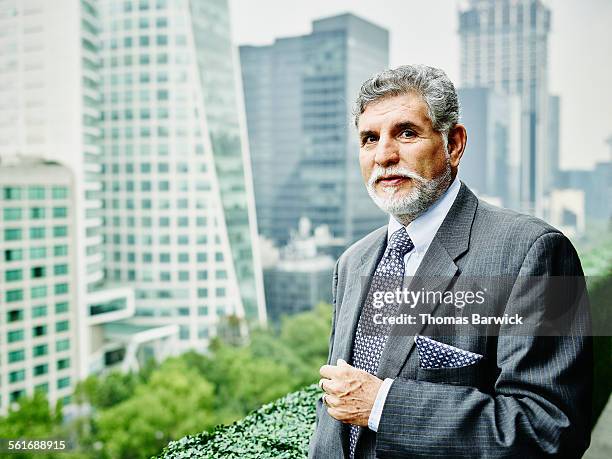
(279, 430)
(136, 414)
(597, 264)
(174, 402)
(31, 417)
(110, 390)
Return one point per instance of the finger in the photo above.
(332, 400)
(329, 371)
(342, 363)
(336, 414)
(331, 386)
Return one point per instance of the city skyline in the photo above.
(575, 27)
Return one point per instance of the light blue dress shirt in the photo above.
(422, 231)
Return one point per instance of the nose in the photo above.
(387, 152)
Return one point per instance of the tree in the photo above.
(176, 401)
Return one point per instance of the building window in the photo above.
(39, 311)
(63, 364)
(39, 330)
(62, 345)
(37, 233)
(38, 272)
(60, 250)
(13, 255)
(16, 395)
(13, 213)
(59, 192)
(38, 252)
(38, 292)
(14, 295)
(12, 275)
(16, 356)
(36, 192)
(14, 316)
(61, 307)
(16, 376)
(40, 350)
(42, 369)
(60, 231)
(12, 234)
(14, 335)
(61, 326)
(44, 388)
(60, 212)
(58, 270)
(62, 383)
(36, 213)
(11, 193)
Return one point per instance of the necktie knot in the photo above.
(400, 243)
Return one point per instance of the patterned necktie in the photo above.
(370, 338)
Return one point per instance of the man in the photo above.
(502, 395)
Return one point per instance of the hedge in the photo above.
(280, 430)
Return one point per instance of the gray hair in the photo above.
(432, 84)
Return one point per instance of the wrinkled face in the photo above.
(403, 160)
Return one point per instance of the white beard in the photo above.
(409, 206)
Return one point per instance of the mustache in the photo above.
(379, 172)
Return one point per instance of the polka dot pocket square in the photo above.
(433, 354)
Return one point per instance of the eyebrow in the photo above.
(396, 128)
(406, 125)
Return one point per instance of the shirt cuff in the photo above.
(379, 403)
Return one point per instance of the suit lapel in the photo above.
(435, 273)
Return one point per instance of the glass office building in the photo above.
(180, 224)
(504, 46)
(299, 95)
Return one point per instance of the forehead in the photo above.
(409, 107)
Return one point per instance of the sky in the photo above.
(425, 32)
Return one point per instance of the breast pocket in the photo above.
(443, 363)
(464, 376)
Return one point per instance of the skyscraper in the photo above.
(299, 93)
(491, 163)
(180, 224)
(504, 46)
(49, 109)
(39, 327)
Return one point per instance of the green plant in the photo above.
(279, 430)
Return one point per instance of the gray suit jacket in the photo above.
(528, 397)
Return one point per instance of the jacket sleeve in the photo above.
(319, 405)
(541, 399)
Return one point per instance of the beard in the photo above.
(405, 208)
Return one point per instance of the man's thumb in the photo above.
(342, 363)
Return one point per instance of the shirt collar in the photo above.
(423, 228)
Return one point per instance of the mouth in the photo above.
(392, 180)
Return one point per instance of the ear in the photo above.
(457, 140)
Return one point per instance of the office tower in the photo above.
(504, 46)
(298, 277)
(50, 108)
(39, 336)
(554, 142)
(299, 94)
(491, 162)
(179, 209)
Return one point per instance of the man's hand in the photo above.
(349, 392)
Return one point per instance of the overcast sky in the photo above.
(426, 32)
